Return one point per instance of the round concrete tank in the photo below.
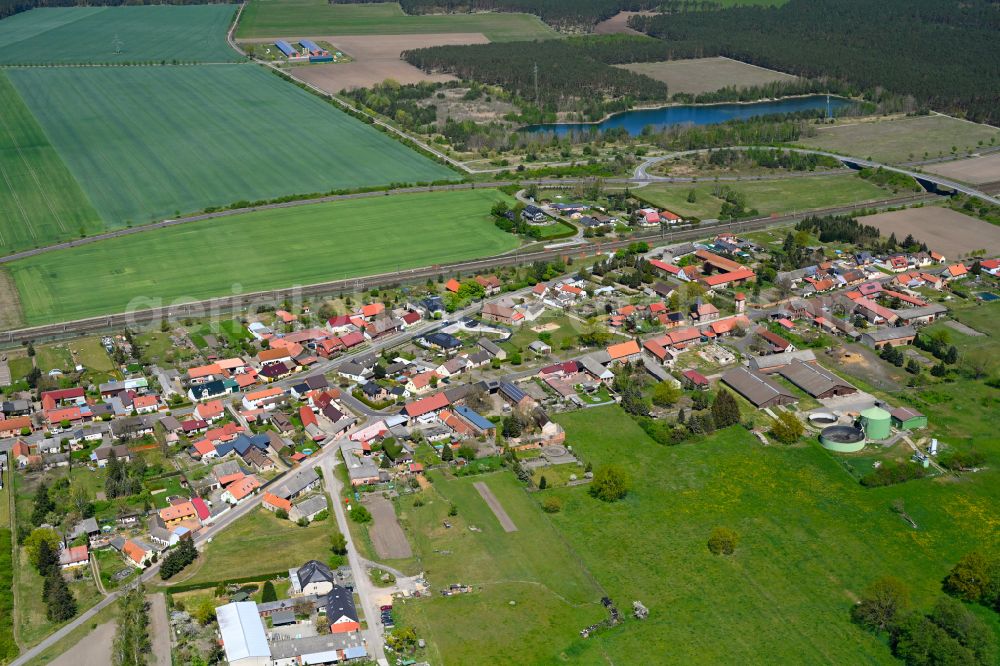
(822, 418)
(876, 422)
(842, 439)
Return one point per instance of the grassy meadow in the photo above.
(811, 539)
(777, 196)
(154, 33)
(531, 594)
(40, 201)
(150, 142)
(297, 18)
(902, 139)
(246, 548)
(258, 251)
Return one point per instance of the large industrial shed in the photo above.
(759, 389)
(243, 635)
(815, 380)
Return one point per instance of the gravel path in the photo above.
(491, 500)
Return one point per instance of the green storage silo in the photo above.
(876, 422)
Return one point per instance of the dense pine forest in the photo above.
(943, 52)
(10, 7)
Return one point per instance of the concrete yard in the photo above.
(387, 536)
(491, 501)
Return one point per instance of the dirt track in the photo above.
(491, 501)
(387, 536)
(376, 58)
(946, 231)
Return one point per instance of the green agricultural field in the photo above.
(295, 18)
(258, 251)
(782, 195)
(73, 35)
(531, 595)
(903, 139)
(148, 142)
(40, 202)
(811, 539)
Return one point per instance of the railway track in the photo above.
(237, 304)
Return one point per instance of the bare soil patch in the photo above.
(94, 648)
(491, 501)
(944, 230)
(963, 329)
(159, 630)
(387, 536)
(376, 58)
(618, 24)
(701, 75)
(10, 304)
(975, 170)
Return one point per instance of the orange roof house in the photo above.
(242, 488)
(209, 411)
(453, 285)
(372, 310)
(624, 351)
(273, 503)
(134, 552)
(177, 512)
(12, 427)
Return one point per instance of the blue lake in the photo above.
(694, 114)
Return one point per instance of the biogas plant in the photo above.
(872, 424)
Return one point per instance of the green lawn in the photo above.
(768, 196)
(259, 543)
(73, 35)
(553, 595)
(811, 539)
(40, 202)
(149, 142)
(298, 18)
(268, 249)
(110, 562)
(902, 139)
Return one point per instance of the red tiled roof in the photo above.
(426, 405)
(277, 502)
(623, 349)
(725, 278)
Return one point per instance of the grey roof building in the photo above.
(760, 390)
(297, 484)
(815, 380)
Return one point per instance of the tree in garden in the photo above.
(881, 603)
(268, 593)
(60, 604)
(787, 428)
(43, 504)
(447, 455)
(666, 394)
(552, 505)
(725, 411)
(42, 546)
(543, 483)
(338, 543)
(723, 541)
(610, 484)
(360, 514)
(184, 554)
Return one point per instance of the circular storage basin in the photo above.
(822, 418)
(842, 439)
